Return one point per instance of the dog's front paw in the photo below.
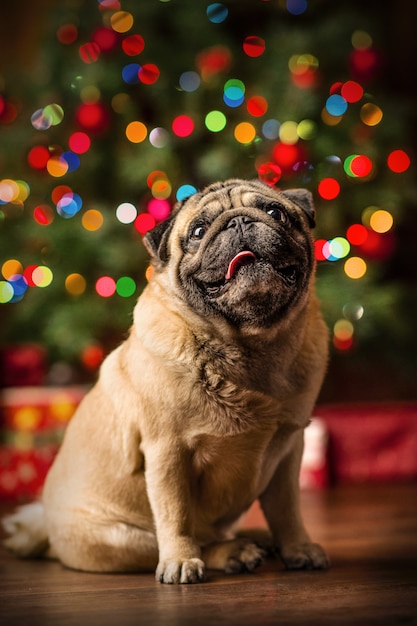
(245, 557)
(173, 571)
(304, 556)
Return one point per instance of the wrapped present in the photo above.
(33, 425)
(371, 442)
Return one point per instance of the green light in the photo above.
(215, 121)
(125, 287)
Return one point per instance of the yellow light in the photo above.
(343, 330)
(330, 120)
(75, 284)
(57, 166)
(288, 132)
(136, 132)
(371, 114)
(92, 220)
(11, 268)
(245, 132)
(161, 189)
(121, 21)
(355, 267)
(381, 221)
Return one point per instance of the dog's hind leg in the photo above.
(27, 530)
(92, 546)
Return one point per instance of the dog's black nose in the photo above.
(239, 221)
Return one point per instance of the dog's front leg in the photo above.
(168, 485)
(280, 503)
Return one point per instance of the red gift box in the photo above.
(371, 442)
(33, 425)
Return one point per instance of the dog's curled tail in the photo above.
(27, 530)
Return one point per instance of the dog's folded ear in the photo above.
(156, 240)
(304, 199)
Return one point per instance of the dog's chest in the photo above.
(230, 472)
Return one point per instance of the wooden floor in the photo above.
(368, 531)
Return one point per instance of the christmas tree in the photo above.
(111, 111)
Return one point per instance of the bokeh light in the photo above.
(125, 286)
(185, 191)
(355, 267)
(328, 188)
(144, 222)
(398, 161)
(126, 213)
(296, 7)
(217, 12)
(159, 208)
(371, 114)
(136, 132)
(254, 46)
(183, 126)
(189, 81)
(381, 221)
(105, 286)
(133, 45)
(245, 132)
(92, 220)
(79, 142)
(75, 284)
(42, 276)
(121, 21)
(257, 106)
(215, 121)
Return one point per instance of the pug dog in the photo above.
(201, 411)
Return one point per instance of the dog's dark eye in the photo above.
(198, 233)
(277, 213)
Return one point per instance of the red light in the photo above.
(133, 45)
(343, 344)
(92, 356)
(318, 249)
(351, 91)
(328, 188)
(89, 52)
(43, 215)
(105, 286)
(105, 38)
(287, 155)
(336, 88)
(398, 161)
(148, 74)
(257, 106)
(67, 34)
(59, 191)
(144, 222)
(269, 173)
(254, 46)
(182, 126)
(92, 116)
(214, 60)
(361, 166)
(79, 142)
(357, 234)
(38, 157)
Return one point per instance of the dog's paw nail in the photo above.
(184, 572)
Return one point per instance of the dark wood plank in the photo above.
(369, 532)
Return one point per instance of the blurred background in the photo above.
(110, 111)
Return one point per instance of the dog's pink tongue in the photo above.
(240, 259)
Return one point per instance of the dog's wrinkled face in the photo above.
(239, 250)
